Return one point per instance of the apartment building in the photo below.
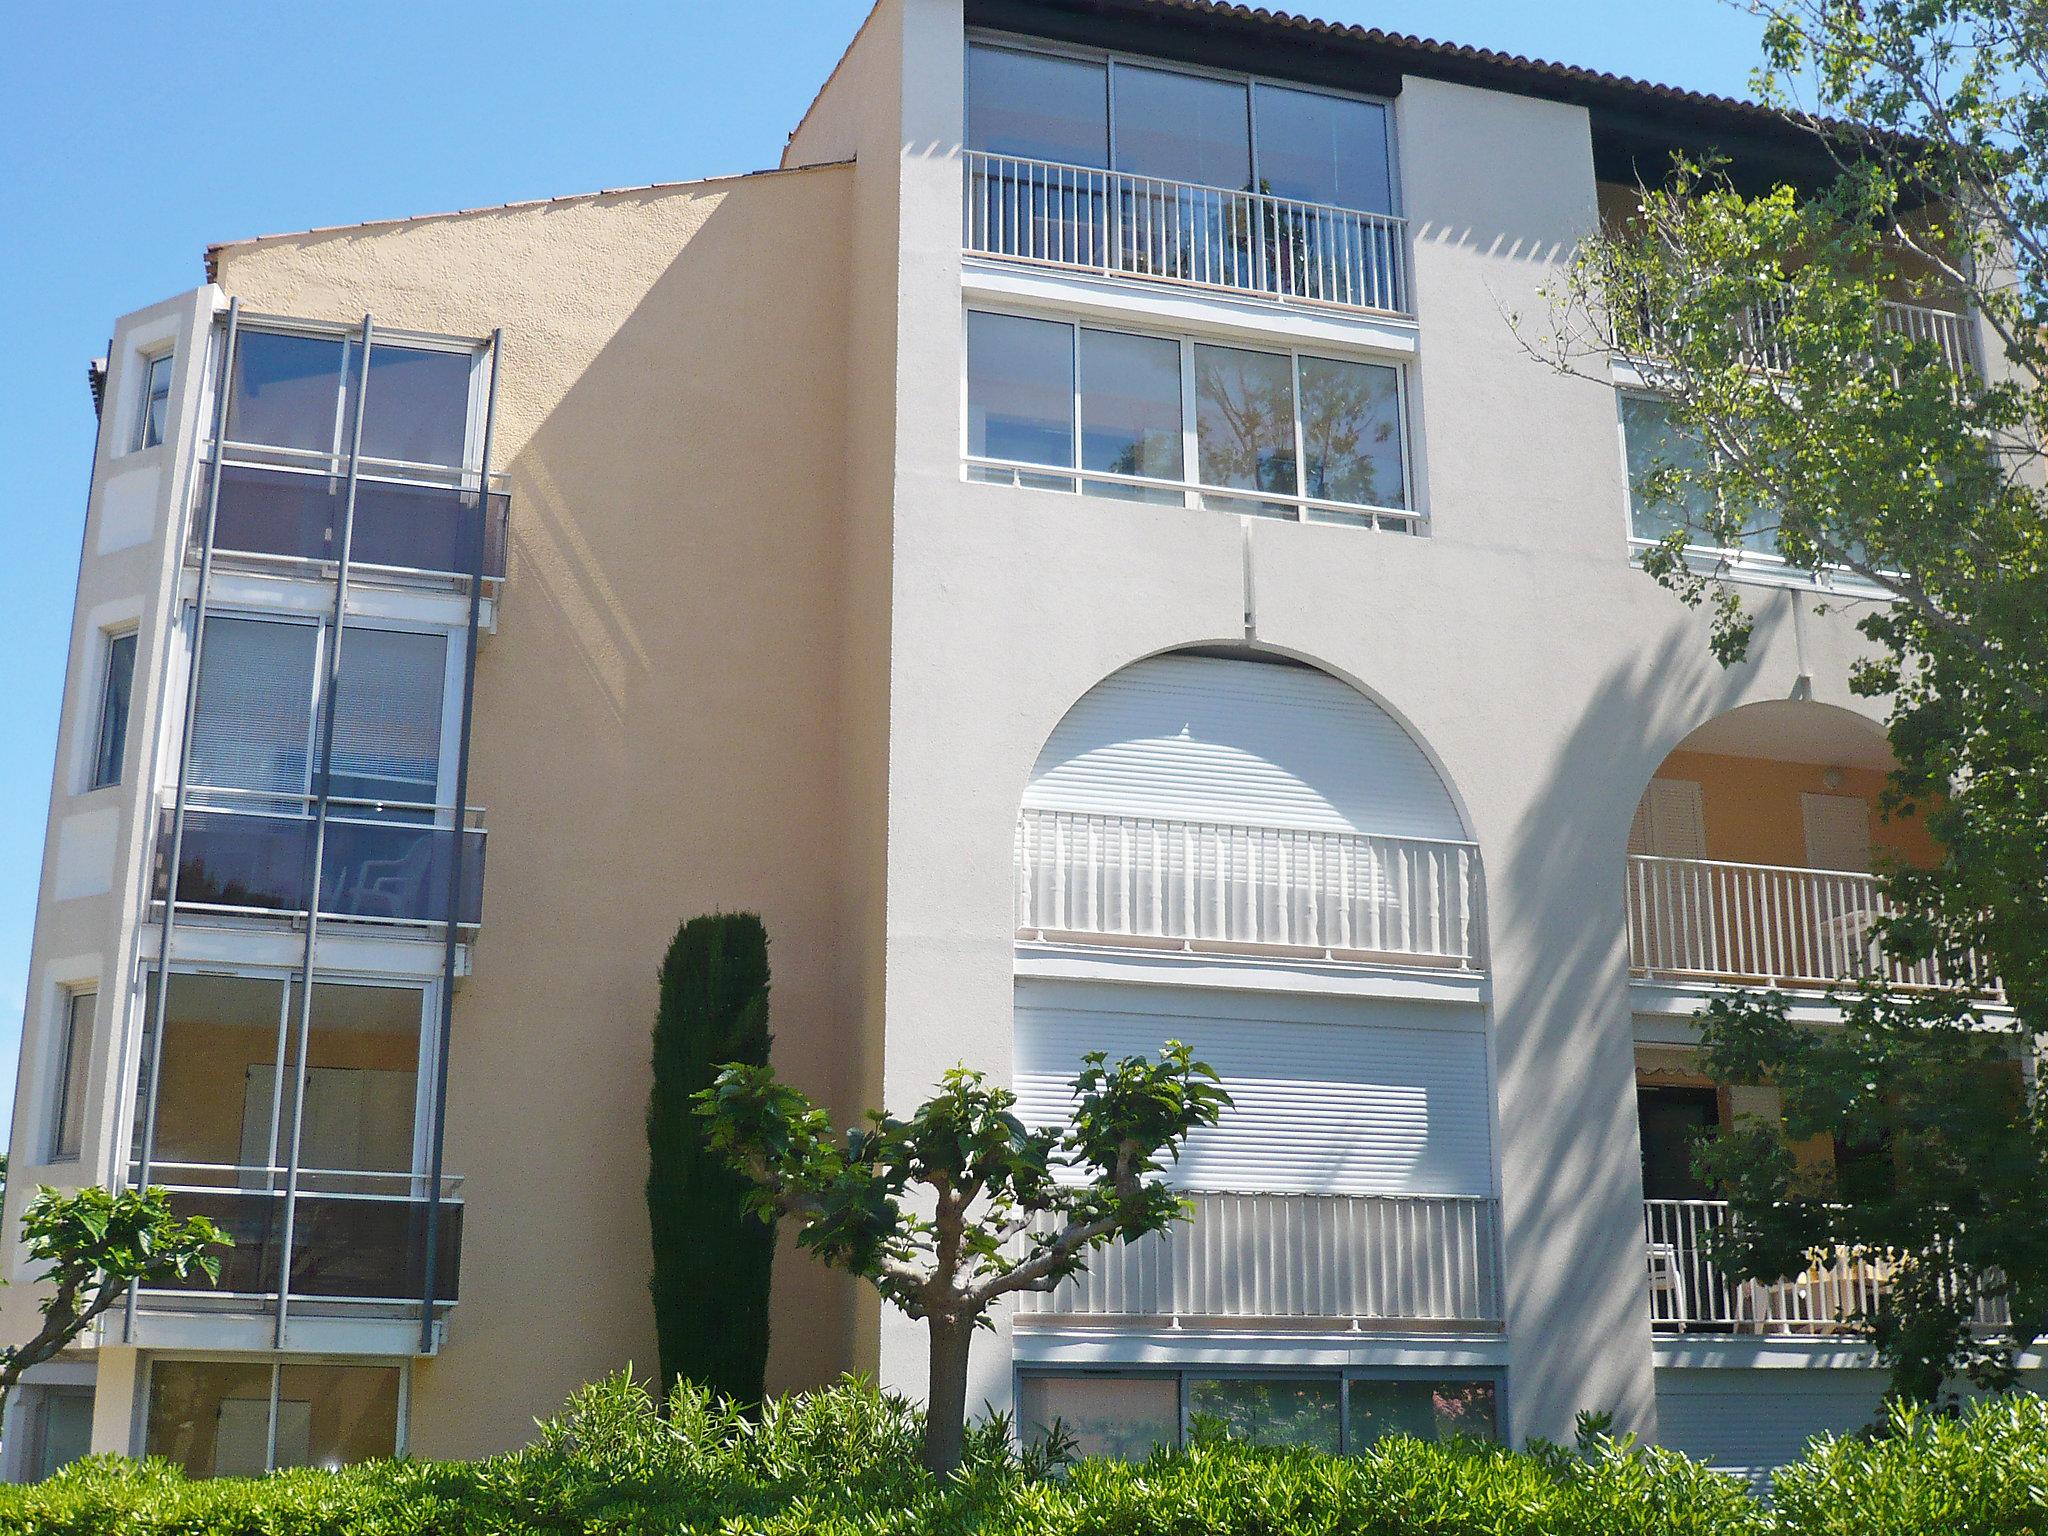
(1081, 548)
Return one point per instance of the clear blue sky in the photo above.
(138, 134)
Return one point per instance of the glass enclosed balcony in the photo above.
(302, 409)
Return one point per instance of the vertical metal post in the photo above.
(175, 854)
(322, 764)
(445, 1025)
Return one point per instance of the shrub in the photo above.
(844, 1462)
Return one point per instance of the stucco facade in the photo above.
(761, 645)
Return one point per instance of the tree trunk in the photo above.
(945, 1410)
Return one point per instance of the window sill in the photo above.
(1766, 571)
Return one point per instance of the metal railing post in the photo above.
(450, 942)
(323, 764)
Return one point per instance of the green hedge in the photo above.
(845, 1462)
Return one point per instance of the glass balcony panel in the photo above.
(290, 391)
(372, 1250)
(416, 409)
(391, 870)
(255, 1220)
(331, 1415)
(1038, 106)
(296, 515)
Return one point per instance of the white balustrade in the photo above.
(1779, 925)
(1198, 884)
(1142, 226)
(1351, 1261)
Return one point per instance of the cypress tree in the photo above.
(711, 1257)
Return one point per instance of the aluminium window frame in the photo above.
(138, 1440)
(161, 361)
(1194, 492)
(109, 646)
(65, 1115)
(1111, 58)
(1185, 1372)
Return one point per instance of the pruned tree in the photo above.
(960, 1204)
(94, 1244)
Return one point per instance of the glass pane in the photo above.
(330, 1415)
(216, 1080)
(1183, 128)
(65, 1430)
(1323, 149)
(77, 1059)
(212, 1417)
(1020, 389)
(113, 738)
(1244, 419)
(1272, 1412)
(1654, 444)
(387, 717)
(255, 708)
(1426, 1410)
(362, 1085)
(417, 407)
(288, 391)
(1126, 1417)
(1351, 432)
(156, 397)
(1037, 107)
(1130, 405)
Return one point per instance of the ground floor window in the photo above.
(242, 1418)
(55, 1425)
(1127, 1414)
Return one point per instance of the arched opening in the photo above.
(1752, 851)
(1210, 801)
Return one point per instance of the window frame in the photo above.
(159, 363)
(1111, 58)
(100, 774)
(66, 1110)
(139, 1429)
(1193, 492)
(1185, 1372)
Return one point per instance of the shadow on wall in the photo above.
(1572, 1175)
(657, 736)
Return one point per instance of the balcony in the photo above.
(356, 1237)
(1122, 225)
(380, 863)
(1146, 882)
(1330, 1262)
(271, 512)
(1689, 1295)
(1946, 330)
(1765, 925)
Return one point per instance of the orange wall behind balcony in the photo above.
(1753, 814)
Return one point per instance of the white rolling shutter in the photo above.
(1330, 1098)
(1200, 738)
(1751, 1422)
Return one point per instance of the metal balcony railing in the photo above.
(1775, 925)
(1182, 232)
(356, 1237)
(1214, 885)
(250, 853)
(1349, 1262)
(1689, 1294)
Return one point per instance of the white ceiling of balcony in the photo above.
(1795, 731)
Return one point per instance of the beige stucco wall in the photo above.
(657, 722)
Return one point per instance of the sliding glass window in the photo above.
(1211, 130)
(1665, 496)
(1057, 405)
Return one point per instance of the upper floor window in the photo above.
(1181, 422)
(291, 427)
(74, 1062)
(1216, 131)
(1653, 444)
(156, 402)
(110, 744)
(1217, 180)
